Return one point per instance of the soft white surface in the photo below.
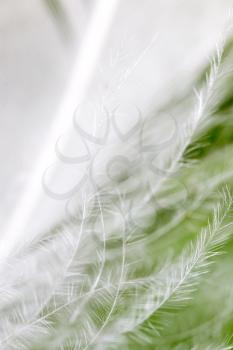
(36, 62)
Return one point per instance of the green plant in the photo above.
(146, 261)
